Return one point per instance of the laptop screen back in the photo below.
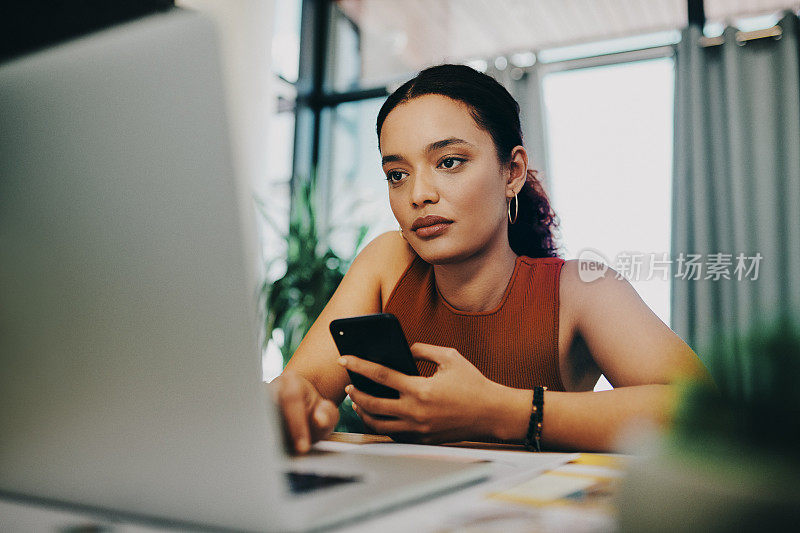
(130, 367)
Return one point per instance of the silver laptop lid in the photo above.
(130, 371)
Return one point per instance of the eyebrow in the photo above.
(432, 147)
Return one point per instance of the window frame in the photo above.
(315, 96)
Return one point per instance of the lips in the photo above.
(430, 220)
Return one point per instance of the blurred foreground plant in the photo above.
(757, 406)
(730, 463)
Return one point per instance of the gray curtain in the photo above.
(736, 189)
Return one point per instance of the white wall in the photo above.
(245, 29)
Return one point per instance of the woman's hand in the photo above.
(307, 416)
(451, 405)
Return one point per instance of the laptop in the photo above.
(130, 372)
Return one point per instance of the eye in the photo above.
(394, 176)
(451, 162)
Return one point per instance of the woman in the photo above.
(491, 313)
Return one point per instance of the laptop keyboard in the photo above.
(302, 482)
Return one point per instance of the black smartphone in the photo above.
(377, 338)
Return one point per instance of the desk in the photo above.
(518, 506)
(577, 496)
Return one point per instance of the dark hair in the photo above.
(495, 111)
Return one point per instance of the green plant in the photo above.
(757, 404)
(293, 302)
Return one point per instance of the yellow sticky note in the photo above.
(598, 459)
(546, 488)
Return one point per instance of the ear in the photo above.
(518, 171)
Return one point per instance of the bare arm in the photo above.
(312, 384)
(641, 357)
(358, 294)
(624, 339)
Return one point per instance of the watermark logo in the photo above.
(592, 265)
(639, 266)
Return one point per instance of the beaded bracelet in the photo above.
(534, 435)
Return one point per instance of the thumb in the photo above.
(429, 352)
(324, 418)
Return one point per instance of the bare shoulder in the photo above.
(377, 267)
(569, 289)
(588, 290)
(568, 296)
(592, 283)
(359, 293)
(628, 342)
(387, 248)
(388, 256)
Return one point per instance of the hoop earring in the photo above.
(402, 234)
(516, 210)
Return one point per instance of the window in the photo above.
(610, 138)
(354, 186)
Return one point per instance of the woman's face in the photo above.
(439, 162)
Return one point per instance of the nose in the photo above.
(423, 189)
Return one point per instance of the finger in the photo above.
(294, 414)
(375, 405)
(323, 419)
(437, 354)
(377, 373)
(384, 427)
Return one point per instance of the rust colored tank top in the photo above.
(515, 344)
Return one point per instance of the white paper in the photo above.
(463, 508)
(508, 466)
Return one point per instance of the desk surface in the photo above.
(576, 496)
(361, 438)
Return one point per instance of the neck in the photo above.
(478, 283)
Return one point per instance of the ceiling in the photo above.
(414, 33)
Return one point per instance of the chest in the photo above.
(516, 345)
